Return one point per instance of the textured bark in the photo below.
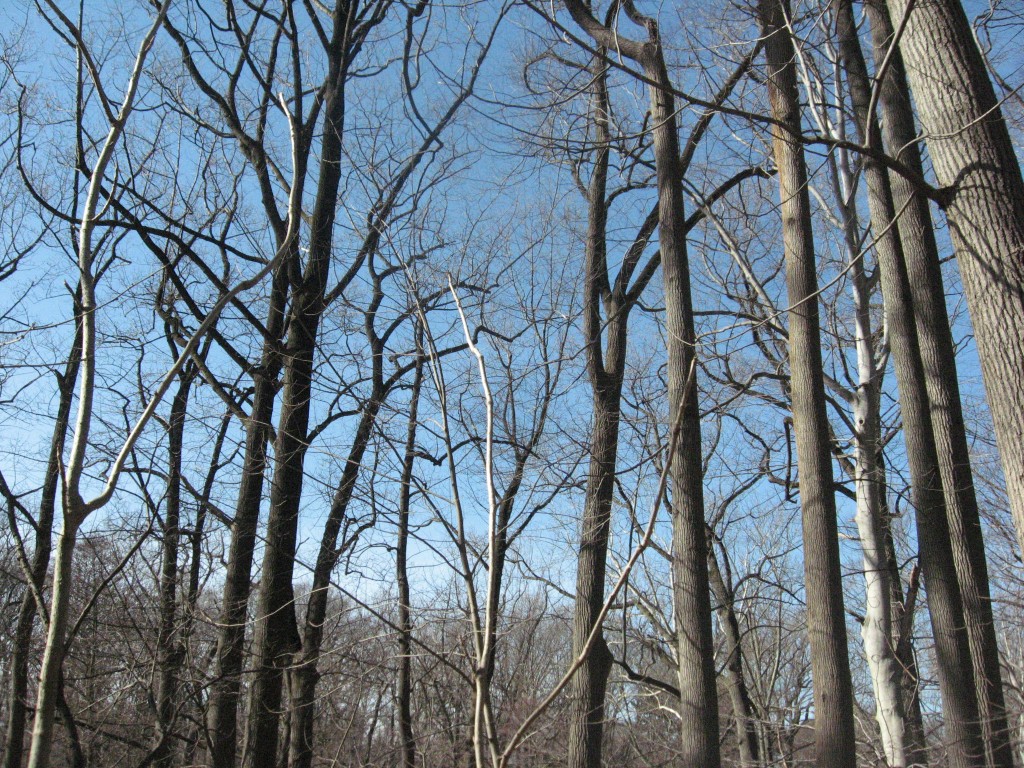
(973, 156)
(17, 710)
(222, 721)
(276, 635)
(835, 744)
(939, 360)
(956, 677)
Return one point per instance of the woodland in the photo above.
(511, 383)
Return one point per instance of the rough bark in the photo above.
(835, 744)
(276, 636)
(940, 371)
(222, 720)
(956, 677)
(605, 370)
(973, 157)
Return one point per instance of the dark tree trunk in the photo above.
(833, 696)
(170, 653)
(222, 720)
(404, 692)
(605, 370)
(276, 637)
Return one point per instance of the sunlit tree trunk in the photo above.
(972, 155)
(17, 709)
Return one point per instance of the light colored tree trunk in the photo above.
(17, 709)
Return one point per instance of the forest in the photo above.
(511, 383)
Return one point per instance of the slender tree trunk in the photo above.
(833, 696)
(605, 369)
(868, 473)
(276, 637)
(939, 361)
(48, 692)
(304, 676)
(735, 674)
(972, 154)
(956, 679)
(404, 691)
(17, 710)
(169, 649)
(691, 597)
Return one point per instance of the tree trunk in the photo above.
(222, 721)
(170, 653)
(939, 361)
(605, 369)
(53, 657)
(698, 700)
(833, 696)
(404, 691)
(276, 637)
(973, 156)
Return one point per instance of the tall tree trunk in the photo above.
(957, 680)
(407, 748)
(605, 370)
(17, 710)
(939, 361)
(304, 676)
(833, 695)
(276, 636)
(691, 598)
(973, 156)
(868, 473)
